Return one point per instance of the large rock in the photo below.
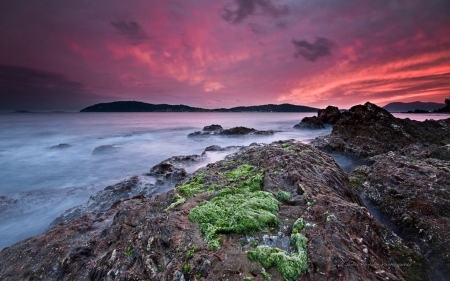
(155, 239)
(369, 130)
(310, 123)
(411, 189)
(329, 115)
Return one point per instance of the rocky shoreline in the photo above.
(284, 211)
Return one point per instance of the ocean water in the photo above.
(38, 181)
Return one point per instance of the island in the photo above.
(137, 106)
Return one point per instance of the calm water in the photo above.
(38, 182)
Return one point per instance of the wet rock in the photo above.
(412, 192)
(213, 128)
(146, 240)
(235, 131)
(369, 130)
(329, 115)
(61, 146)
(104, 149)
(310, 123)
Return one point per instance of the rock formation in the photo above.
(227, 222)
(310, 123)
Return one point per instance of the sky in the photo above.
(66, 55)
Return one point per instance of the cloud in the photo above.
(246, 8)
(32, 89)
(131, 30)
(312, 51)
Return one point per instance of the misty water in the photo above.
(39, 181)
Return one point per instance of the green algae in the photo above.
(193, 186)
(240, 207)
(284, 195)
(178, 200)
(245, 212)
(298, 225)
(290, 265)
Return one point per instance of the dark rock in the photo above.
(213, 128)
(61, 146)
(235, 131)
(310, 123)
(139, 240)
(329, 115)
(412, 191)
(104, 149)
(369, 130)
(214, 148)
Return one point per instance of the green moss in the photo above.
(298, 225)
(190, 252)
(211, 188)
(284, 195)
(248, 279)
(160, 268)
(291, 266)
(245, 212)
(186, 268)
(193, 186)
(254, 243)
(242, 208)
(265, 275)
(178, 200)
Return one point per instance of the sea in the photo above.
(50, 162)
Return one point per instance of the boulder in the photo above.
(329, 115)
(369, 130)
(310, 123)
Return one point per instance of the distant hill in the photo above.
(136, 106)
(412, 106)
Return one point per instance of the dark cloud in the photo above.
(246, 8)
(132, 30)
(32, 89)
(312, 51)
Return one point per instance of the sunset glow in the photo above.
(223, 53)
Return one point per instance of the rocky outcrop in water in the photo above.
(213, 130)
(369, 130)
(227, 222)
(329, 115)
(310, 123)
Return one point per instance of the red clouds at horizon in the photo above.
(223, 53)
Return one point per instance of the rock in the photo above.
(104, 149)
(104, 199)
(412, 191)
(235, 131)
(61, 146)
(329, 115)
(213, 128)
(369, 130)
(156, 239)
(310, 123)
(245, 131)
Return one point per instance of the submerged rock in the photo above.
(310, 123)
(104, 149)
(166, 238)
(61, 146)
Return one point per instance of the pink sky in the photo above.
(65, 55)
